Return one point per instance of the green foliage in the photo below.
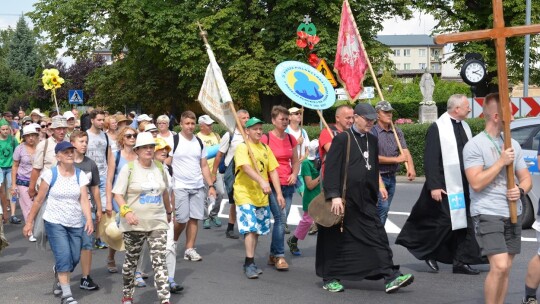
(466, 15)
(22, 54)
(249, 39)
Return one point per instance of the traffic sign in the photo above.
(76, 96)
(323, 68)
(367, 93)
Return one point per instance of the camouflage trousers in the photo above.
(157, 241)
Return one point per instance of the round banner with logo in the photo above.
(305, 85)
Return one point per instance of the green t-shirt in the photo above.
(308, 169)
(7, 146)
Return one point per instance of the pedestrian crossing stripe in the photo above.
(75, 98)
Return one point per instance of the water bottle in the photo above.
(15, 198)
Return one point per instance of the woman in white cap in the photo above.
(145, 211)
(23, 157)
(64, 188)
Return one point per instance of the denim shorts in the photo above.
(65, 244)
(88, 240)
(253, 219)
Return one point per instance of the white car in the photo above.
(526, 131)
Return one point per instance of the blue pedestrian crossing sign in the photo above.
(75, 96)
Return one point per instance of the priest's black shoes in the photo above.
(465, 269)
(433, 265)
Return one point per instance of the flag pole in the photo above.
(379, 91)
(239, 126)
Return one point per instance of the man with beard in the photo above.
(433, 232)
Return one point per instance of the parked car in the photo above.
(526, 131)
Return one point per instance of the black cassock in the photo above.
(362, 249)
(428, 234)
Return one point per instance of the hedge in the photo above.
(414, 136)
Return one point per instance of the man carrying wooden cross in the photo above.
(484, 158)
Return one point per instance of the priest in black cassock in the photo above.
(437, 231)
(361, 250)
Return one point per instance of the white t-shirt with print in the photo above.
(186, 163)
(64, 200)
(96, 151)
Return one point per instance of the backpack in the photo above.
(54, 171)
(176, 139)
(222, 167)
(268, 138)
(229, 177)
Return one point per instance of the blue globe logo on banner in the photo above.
(305, 85)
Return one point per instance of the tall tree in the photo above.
(249, 37)
(467, 15)
(22, 55)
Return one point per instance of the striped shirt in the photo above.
(388, 147)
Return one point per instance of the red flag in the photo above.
(351, 64)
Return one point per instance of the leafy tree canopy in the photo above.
(249, 38)
(468, 15)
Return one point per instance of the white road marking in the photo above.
(295, 215)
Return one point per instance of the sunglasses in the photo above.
(297, 113)
(130, 136)
(43, 126)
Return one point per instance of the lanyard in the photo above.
(493, 141)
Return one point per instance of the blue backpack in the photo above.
(54, 171)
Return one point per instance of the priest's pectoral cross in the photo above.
(499, 33)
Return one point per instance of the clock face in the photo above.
(475, 72)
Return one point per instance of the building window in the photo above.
(436, 53)
(397, 52)
(422, 52)
(398, 66)
(436, 67)
(406, 66)
(407, 52)
(422, 66)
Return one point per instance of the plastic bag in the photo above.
(39, 228)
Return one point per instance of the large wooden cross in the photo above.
(499, 33)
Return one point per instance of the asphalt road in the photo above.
(26, 276)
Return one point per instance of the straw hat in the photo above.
(121, 117)
(110, 233)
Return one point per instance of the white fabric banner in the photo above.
(215, 99)
(452, 170)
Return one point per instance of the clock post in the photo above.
(499, 33)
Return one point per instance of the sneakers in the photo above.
(88, 284)
(401, 281)
(139, 281)
(333, 286)
(287, 231)
(14, 220)
(529, 301)
(216, 221)
(127, 300)
(293, 247)
(32, 238)
(99, 244)
(192, 255)
(251, 271)
(57, 290)
(230, 235)
(68, 300)
(206, 223)
(175, 288)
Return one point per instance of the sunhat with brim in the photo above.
(121, 118)
(313, 148)
(150, 127)
(27, 130)
(68, 115)
(253, 121)
(62, 146)
(144, 117)
(110, 233)
(144, 139)
(58, 122)
(26, 119)
(161, 144)
(293, 110)
(37, 112)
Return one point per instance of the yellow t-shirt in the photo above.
(247, 190)
(208, 141)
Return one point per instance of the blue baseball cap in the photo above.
(62, 146)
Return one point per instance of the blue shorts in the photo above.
(88, 240)
(253, 219)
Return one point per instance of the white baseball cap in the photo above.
(144, 117)
(68, 115)
(205, 119)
